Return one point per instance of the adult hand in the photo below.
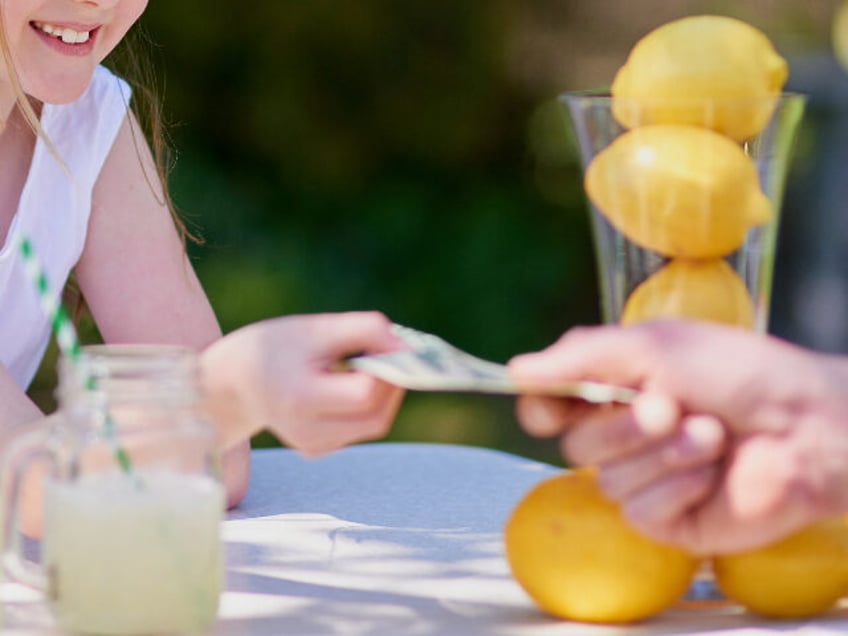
(280, 375)
(736, 440)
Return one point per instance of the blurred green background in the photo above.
(408, 156)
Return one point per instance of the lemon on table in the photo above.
(705, 70)
(577, 558)
(693, 290)
(678, 190)
(799, 576)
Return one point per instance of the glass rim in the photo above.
(126, 367)
(603, 96)
(134, 352)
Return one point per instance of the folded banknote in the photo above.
(432, 364)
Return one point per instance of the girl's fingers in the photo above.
(700, 440)
(324, 432)
(336, 335)
(343, 393)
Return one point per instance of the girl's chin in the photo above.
(57, 89)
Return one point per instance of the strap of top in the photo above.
(53, 213)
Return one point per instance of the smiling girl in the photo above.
(78, 179)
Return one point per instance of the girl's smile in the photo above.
(55, 45)
(65, 38)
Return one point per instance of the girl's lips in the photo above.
(74, 40)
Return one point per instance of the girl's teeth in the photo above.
(74, 37)
(68, 36)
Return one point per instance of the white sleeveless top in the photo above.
(53, 212)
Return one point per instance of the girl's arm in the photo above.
(16, 409)
(136, 277)
(18, 415)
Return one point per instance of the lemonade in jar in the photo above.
(123, 559)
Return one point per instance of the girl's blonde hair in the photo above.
(23, 102)
(129, 60)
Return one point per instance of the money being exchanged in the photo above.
(431, 364)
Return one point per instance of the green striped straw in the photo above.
(66, 335)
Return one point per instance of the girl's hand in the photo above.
(736, 440)
(280, 375)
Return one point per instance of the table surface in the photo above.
(394, 539)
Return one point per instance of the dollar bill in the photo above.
(432, 364)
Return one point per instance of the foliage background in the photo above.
(410, 157)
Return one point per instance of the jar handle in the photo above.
(20, 454)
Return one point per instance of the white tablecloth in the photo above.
(395, 539)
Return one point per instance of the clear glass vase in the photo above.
(677, 195)
(684, 218)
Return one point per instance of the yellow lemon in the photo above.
(678, 190)
(799, 576)
(576, 557)
(706, 70)
(693, 290)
